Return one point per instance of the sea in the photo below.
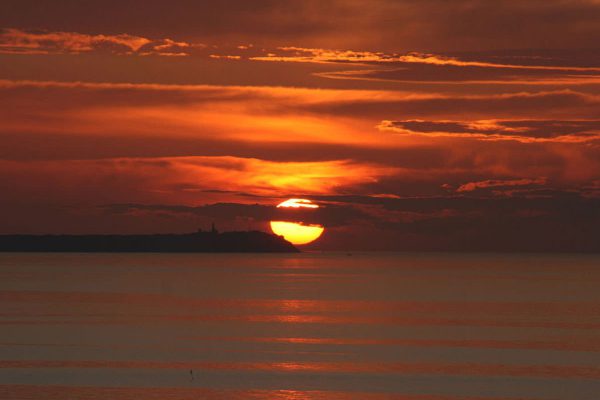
(340, 326)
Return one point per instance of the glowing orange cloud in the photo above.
(301, 54)
(248, 114)
(176, 180)
(580, 131)
(17, 41)
(491, 183)
(298, 203)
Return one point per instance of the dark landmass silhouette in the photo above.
(199, 242)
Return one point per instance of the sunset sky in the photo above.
(430, 124)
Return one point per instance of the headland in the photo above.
(198, 242)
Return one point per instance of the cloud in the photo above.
(91, 121)
(17, 41)
(210, 113)
(567, 104)
(492, 183)
(300, 54)
(181, 180)
(192, 145)
(369, 68)
(484, 67)
(225, 57)
(331, 215)
(181, 194)
(519, 130)
(476, 68)
(447, 75)
(563, 221)
(492, 148)
(386, 25)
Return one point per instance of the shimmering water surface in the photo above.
(299, 326)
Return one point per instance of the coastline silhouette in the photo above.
(201, 242)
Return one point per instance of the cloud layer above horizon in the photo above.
(468, 138)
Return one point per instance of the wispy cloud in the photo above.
(519, 130)
(494, 183)
(300, 54)
(18, 41)
(184, 179)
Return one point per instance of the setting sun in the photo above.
(332, 199)
(296, 232)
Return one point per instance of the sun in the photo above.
(296, 232)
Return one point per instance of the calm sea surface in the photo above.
(299, 326)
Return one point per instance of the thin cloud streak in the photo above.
(299, 54)
(472, 186)
(525, 131)
(17, 41)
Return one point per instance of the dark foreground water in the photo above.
(300, 326)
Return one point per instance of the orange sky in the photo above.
(416, 125)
